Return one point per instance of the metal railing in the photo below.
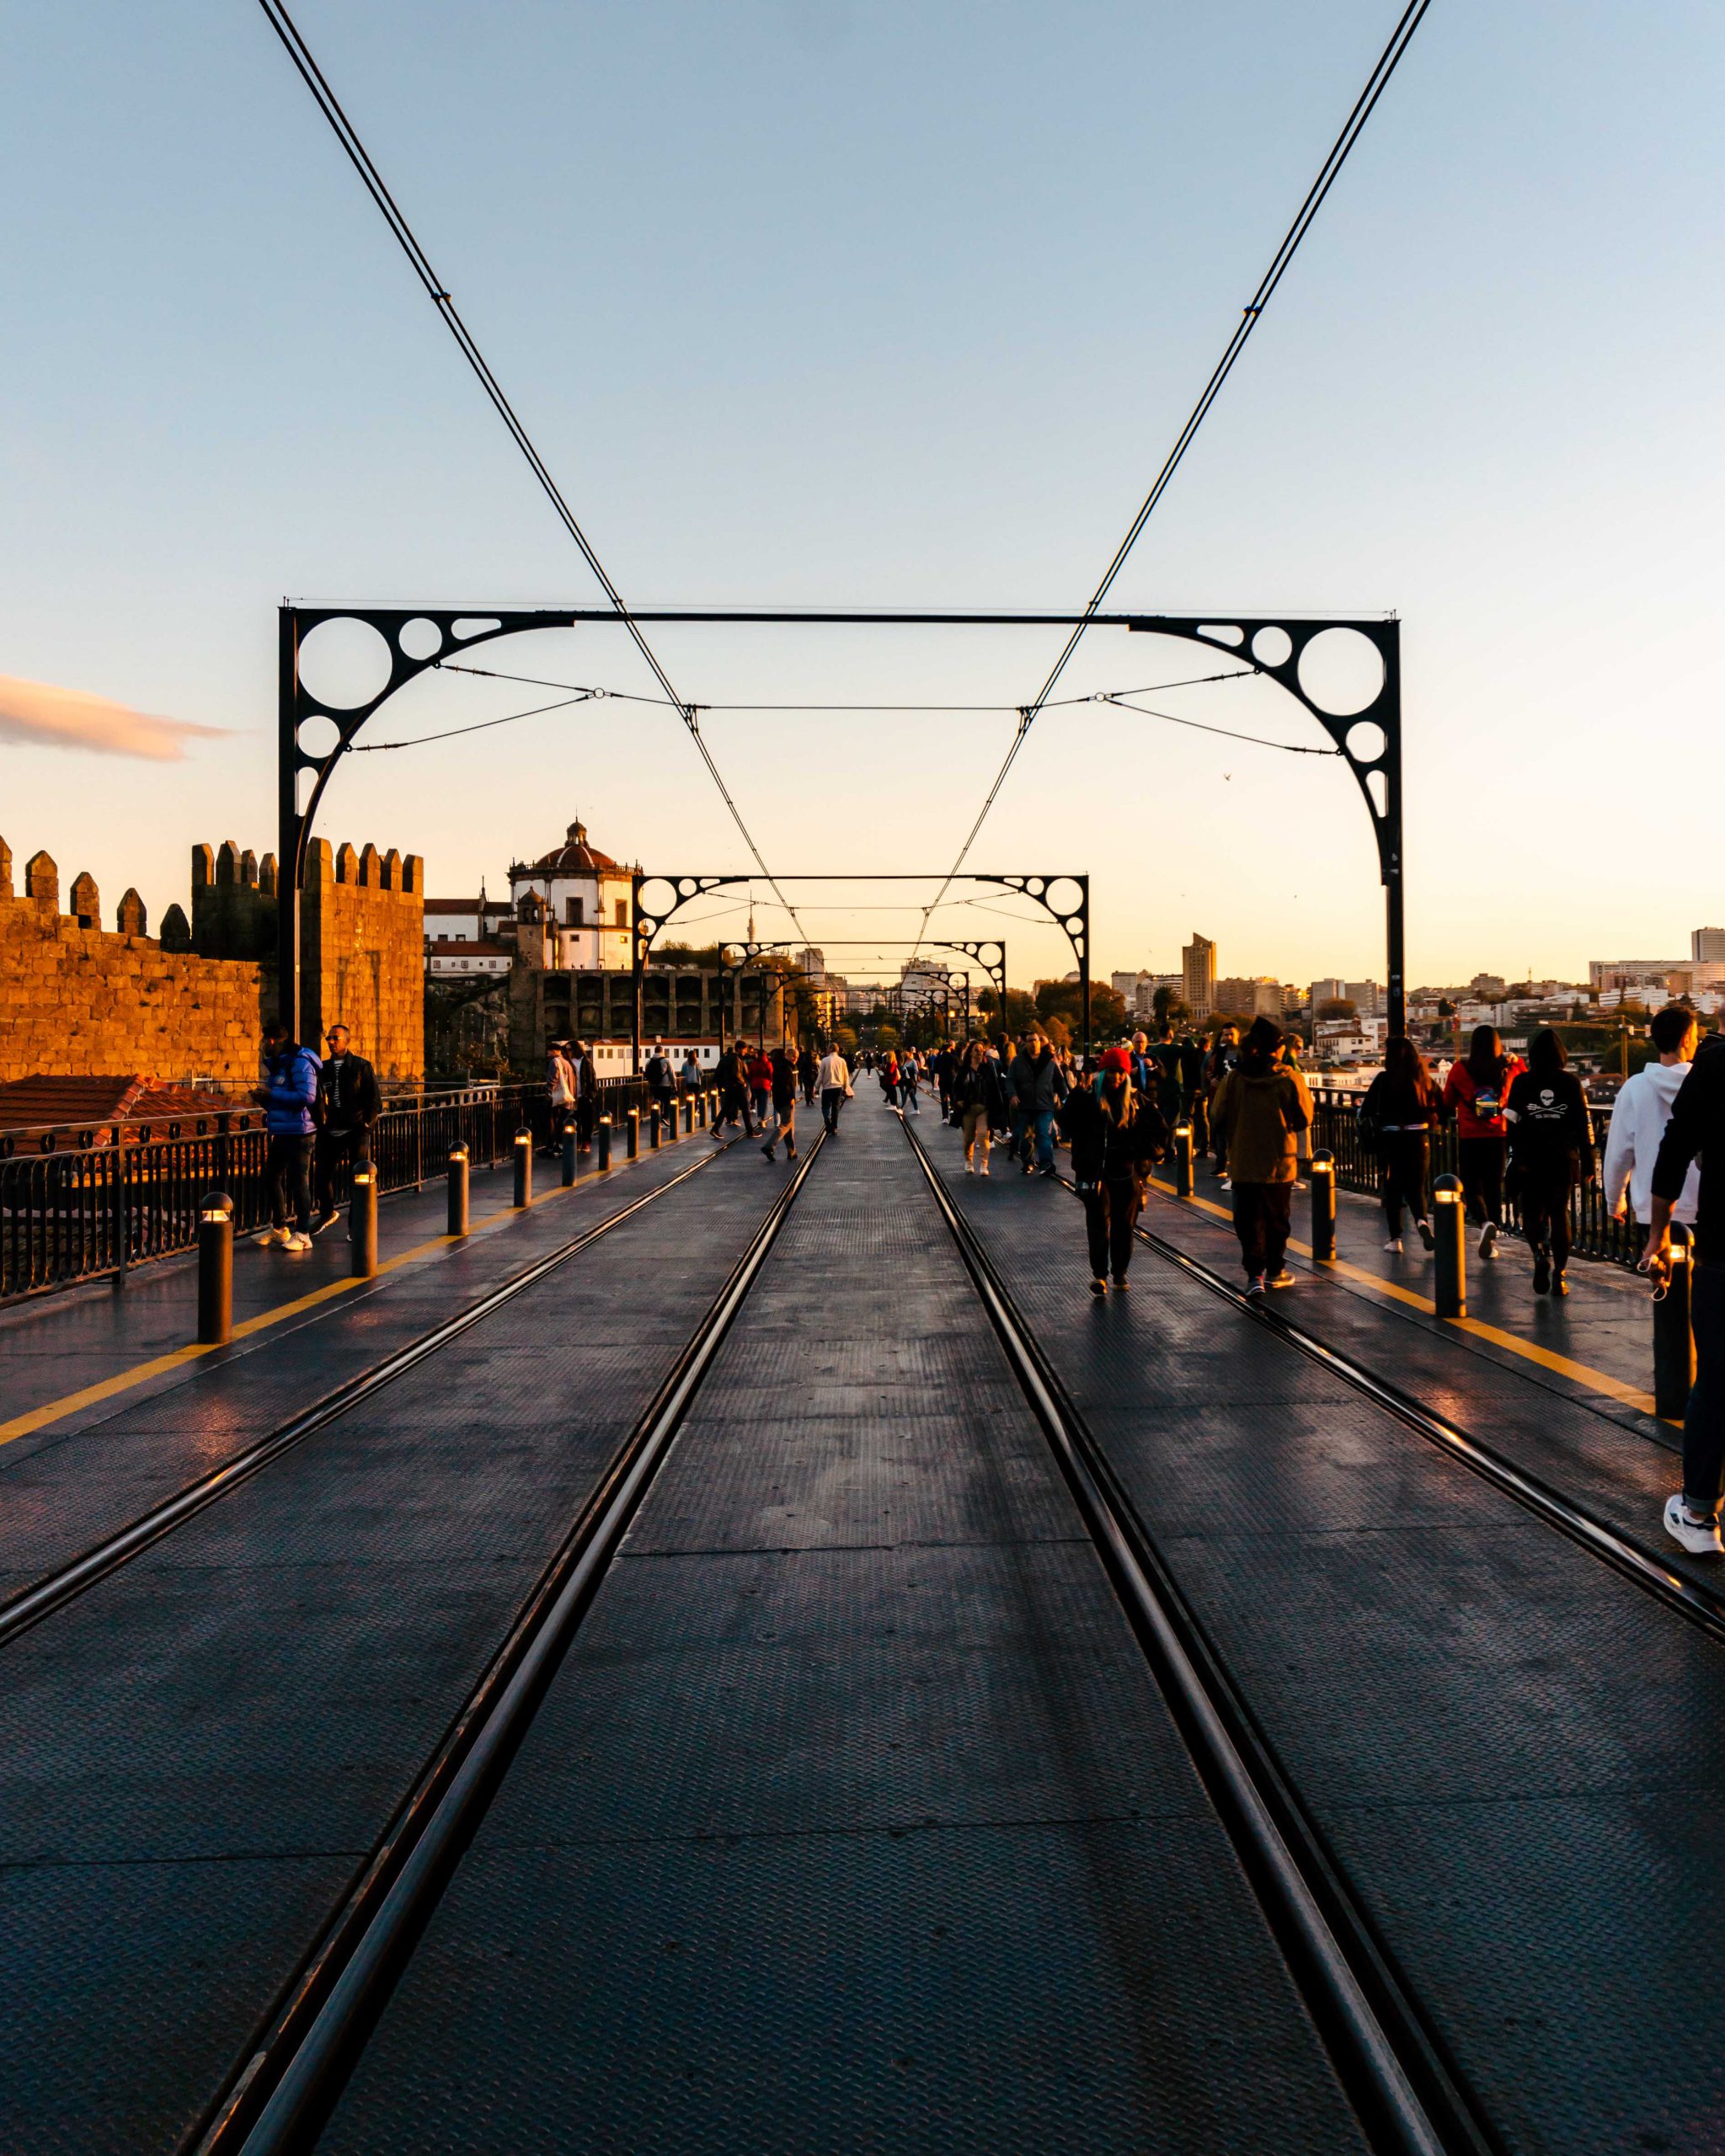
(93, 1211)
(1593, 1231)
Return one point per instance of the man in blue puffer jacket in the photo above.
(289, 1098)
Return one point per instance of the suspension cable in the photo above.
(1375, 84)
(360, 158)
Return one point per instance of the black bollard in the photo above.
(1449, 1225)
(700, 1110)
(215, 1269)
(524, 1167)
(1322, 1174)
(633, 1134)
(604, 1143)
(457, 1190)
(569, 1154)
(362, 1222)
(688, 1113)
(1182, 1159)
(1674, 1337)
(655, 1123)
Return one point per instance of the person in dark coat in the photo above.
(732, 1076)
(782, 1087)
(1550, 1151)
(348, 1100)
(1116, 1137)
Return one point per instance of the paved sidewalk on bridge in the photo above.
(1602, 1331)
(54, 1346)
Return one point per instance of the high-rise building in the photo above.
(1707, 944)
(1197, 975)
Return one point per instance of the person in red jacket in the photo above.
(760, 1082)
(1474, 1093)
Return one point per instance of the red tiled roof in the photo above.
(43, 1103)
(574, 857)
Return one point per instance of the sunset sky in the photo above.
(883, 304)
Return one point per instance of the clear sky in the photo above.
(886, 303)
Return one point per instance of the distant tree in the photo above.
(1336, 1007)
(1169, 1010)
(1446, 1009)
(1057, 1030)
(886, 1034)
(845, 1040)
(1020, 1012)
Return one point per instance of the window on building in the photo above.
(574, 913)
(622, 913)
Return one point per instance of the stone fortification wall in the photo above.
(77, 999)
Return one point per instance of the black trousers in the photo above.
(1263, 1213)
(1704, 1425)
(287, 1178)
(832, 1099)
(734, 1108)
(1403, 1156)
(1543, 1195)
(808, 1092)
(334, 1150)
(1110, 1210)
(586, 1115)
(1480, 1161)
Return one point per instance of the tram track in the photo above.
(1395, 2066)
(1633, 1560)
(278, 2097)
(27, 1607)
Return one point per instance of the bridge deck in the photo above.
(854, 1815)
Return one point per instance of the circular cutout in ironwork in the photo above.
(733, 954)
(1066, 894)
(988, 954)
(1033, 884)
(318, 737)
(1075, 926)
(658, 897)
(1273, 646)
(1341, 672)
(344, 662)
(685, 887)
(1367, 741)
(420, 639)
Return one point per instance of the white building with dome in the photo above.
(582, 897)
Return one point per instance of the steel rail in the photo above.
(1700, 1605)
(68, 1580)
(1392, 2065)
(281, 2097)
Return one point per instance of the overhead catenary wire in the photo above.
(1364, 104)
(287, 30)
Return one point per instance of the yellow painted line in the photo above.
(1582, 1373)
(91, 1395)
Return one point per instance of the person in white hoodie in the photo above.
(1638, 1120)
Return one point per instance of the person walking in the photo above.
(808, 1070)
(1116, 1136)
(760, 1073)
(586, 1095)
(662, 1088)
(1551, 1152)
(690, 1075)
(1049, 1088)
(1197, 1107)
(288, 1097)
(909, 1077)
(783, 1091)
(1396, 1116)
(888, 1074)
(1474, 1093)
(1224, 1055)
(1639, 1115)
(733, 1079)
(348, 1103)
(559, 1091)
(835, 1080)
(1292, 1048)
(1261, 1108)
(1696, 1131)
(978, 1105)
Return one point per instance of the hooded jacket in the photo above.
(1548, 1120)
(1259, 1115)
(1638, 1120)
(1471, 1101)
(291, 1079)
(1697, 1125)
(1105, 1148)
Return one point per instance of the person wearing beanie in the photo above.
(1259, 1110)
(1116, 1135)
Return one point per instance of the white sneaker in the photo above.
(970, 1167)
(1394, 1243)
(296, 1241)
(983, 1169)
(1284, 1279)
(1224, 1183)
(1700, 1537)
(270, 1235)
(1488, 1240)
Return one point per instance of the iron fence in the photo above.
(91, 1211)
(1594, 1234)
